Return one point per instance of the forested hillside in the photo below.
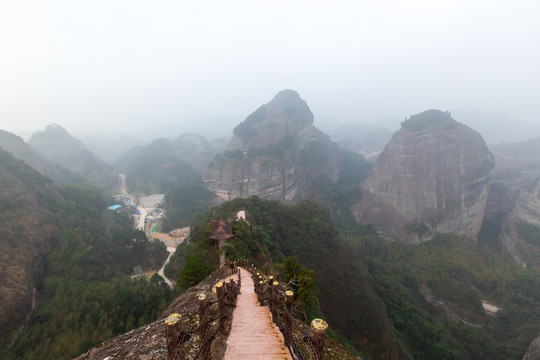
(388, 300)
(26, 204)
(154, 168)
(276, 232)
(84, 292)
(183, 202)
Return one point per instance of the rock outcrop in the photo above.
(524, 216)
(533, 351)
(433, 176)
(275, 153)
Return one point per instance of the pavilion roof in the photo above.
(221, 229)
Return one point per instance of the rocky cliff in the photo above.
(520, 229)
(275, 153)
(533, 351)
(433, 176)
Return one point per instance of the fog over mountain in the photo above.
(414, 233)
(159, 70)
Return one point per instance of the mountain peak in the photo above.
(287, 94)
(55, 143)
(429, 118)
(285, 115)
(267, 155)
(433, 176)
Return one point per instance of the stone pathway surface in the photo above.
(253, 334)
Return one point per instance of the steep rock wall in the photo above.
(526, 211)
(433, 176)
(275, 154)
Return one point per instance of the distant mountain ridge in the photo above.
(21, 150)
(495, 127)
(517, 164)
(367, 140)
(109, 148)
(59, 147)
(163, 163)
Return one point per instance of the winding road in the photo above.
(143, 212)
(161, 273)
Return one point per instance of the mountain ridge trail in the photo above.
(253, 334)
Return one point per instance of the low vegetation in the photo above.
(529, 233)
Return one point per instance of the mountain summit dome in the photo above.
(275, 153)
(433, 176)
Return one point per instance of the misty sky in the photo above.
(125, 66)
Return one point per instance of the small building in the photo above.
(114, 207)
(241, 215)
(179, 232)
(221, 231)
(138, 271)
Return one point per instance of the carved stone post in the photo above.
(289, 297)
(273, 300)
(231, 292)
(220, 290)
(317, 334)
(174, 331)
(239, 280)
(260, 288)
(256, 283)
(270, 280)
(269, 292)
(260, 293)
(204, 324)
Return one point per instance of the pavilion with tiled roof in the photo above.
(221, 231)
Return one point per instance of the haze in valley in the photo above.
(161, 69)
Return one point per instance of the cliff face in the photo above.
(525, 214)
(433, 176)
(533, 351)
(275, 154)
